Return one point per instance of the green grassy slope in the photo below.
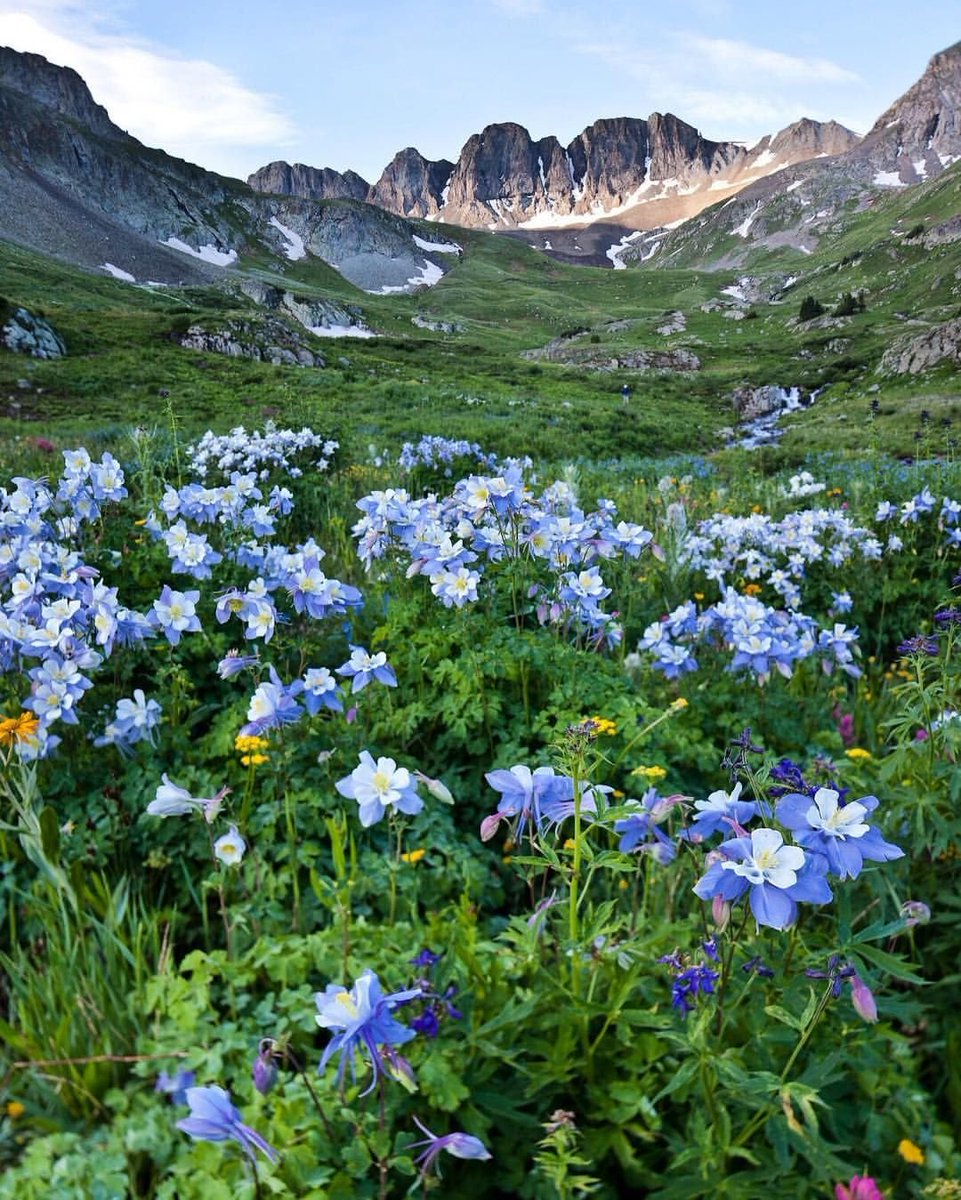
(503, 298)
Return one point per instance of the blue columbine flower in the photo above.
(838, 831)
(720, 812)
(641, 828)
(175, 1086)
(528, 795)
(214, 1119)
(362, 667)
(777, 876)
(379, 786)
(460, 1145)
(363, 1017)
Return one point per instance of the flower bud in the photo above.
(265, 1069)
(720, 912)
(489, 826)
(915, 912)
(863, 999)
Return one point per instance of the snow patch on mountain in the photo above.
(438, 247)
(117, 272)
(208, 253)
(294, 250)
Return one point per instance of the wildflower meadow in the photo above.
(441, 823)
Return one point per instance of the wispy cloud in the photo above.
(189, 107)
(729, 88)
(519, 8)
(734, 58)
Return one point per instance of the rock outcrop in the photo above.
(313, 183)
(26, 333)
(941, 344)
(265, 340)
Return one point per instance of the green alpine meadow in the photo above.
(480, 663)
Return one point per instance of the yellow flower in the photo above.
(19, 729)
(753, 589)
(254, 760)
(15, 1109)
(652, 774)
(250, 744)
(569, 844)
(604, 726)
(678, 704)
(698, 595)
(910, 1152)
(412, 856)
(858, 755)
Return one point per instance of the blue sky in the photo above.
(233, 85)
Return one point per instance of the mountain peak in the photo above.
(58, 88)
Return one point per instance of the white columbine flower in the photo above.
(835, 821)
(230, 847)
(770, 861)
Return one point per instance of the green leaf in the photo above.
(785, 1017)
(50, 834)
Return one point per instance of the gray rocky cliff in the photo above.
(412, 185)
(921, 132)
(313, 183)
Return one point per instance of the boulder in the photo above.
(26, 333)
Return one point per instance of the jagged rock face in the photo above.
(920, 133)
(411, 185)
(26, 333)
(938, 345)
(310, 312)
(503, 179)
(808, 139)
(89, 193)
(312, 183)
(58, 88)
(96, 170)
(267, 340)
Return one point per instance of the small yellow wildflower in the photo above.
(623, 885)
(698, 595)
(678, 704)
(652, 774)
(570, 844)
(15, 1110)
(412, 856)
(254, 760)
(858, 755)
(247, 743)
(604, 726)
(19, 729)
(910, 1152)
(753, 589)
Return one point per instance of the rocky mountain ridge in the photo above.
(917, 138)
(640, 172)
(78, 187)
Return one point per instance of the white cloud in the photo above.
(729, 89)
(189, 107)
(735, 58)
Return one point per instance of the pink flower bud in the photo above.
(489, 826)
(863, 999)
(720, 912)
(915, 912)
